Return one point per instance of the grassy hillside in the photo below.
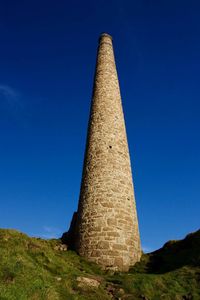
(35, 269)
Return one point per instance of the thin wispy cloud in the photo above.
(8, 94)
(146, 249)
(12, 101)
(49, 232)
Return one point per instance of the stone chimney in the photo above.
(106, 230)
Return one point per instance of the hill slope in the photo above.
(32, 268)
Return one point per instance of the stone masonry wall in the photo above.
(107, 227)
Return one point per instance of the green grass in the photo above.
(31, 269)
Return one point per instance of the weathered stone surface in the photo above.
(61, 247)
(107, 223)
(87, 282)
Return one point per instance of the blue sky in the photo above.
(47, 60)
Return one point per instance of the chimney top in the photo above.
(104, 34)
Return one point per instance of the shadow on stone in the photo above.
(69, 238)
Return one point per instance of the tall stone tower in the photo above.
(105, 229)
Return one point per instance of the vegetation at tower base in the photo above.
(32, 268)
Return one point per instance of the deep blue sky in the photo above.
(47, 60)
